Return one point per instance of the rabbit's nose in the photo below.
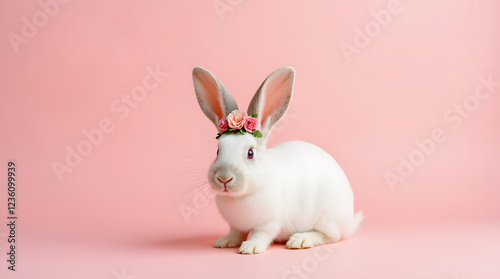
(224, 181)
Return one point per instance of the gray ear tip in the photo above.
(288, 69)
(197, 70)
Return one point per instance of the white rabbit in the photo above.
(293, 192)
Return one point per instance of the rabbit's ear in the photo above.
(214, 99)
(273, 98)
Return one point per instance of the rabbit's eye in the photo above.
(217, 151)
(250, 153)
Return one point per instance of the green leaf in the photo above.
(255, 115)
(230, 130)
(227, 133)
(218, 135)
(242, 131)
(258, 134)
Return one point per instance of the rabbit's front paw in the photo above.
(227, 242)
(252, 247)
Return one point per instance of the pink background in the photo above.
(119, 212)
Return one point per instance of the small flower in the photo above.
(236, 119)
(223, 125)
(251, 124)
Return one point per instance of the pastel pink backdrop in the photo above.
(120, 210)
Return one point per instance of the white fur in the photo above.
(294, 193)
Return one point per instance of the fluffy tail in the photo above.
(356, 220)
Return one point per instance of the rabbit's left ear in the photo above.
(214, 99)
(273, 98)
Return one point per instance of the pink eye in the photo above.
(250, 153)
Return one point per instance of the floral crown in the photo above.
(238, 122)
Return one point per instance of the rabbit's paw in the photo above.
(227, 242)
(252, 247)
(302, 240)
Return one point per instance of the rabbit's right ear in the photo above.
(214, 99)
(273, 98)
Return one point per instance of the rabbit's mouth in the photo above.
(225, 180)
(225, 189)
(228, 188)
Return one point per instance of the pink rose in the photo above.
(251, 124)
(236, 119)
(223, 125)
